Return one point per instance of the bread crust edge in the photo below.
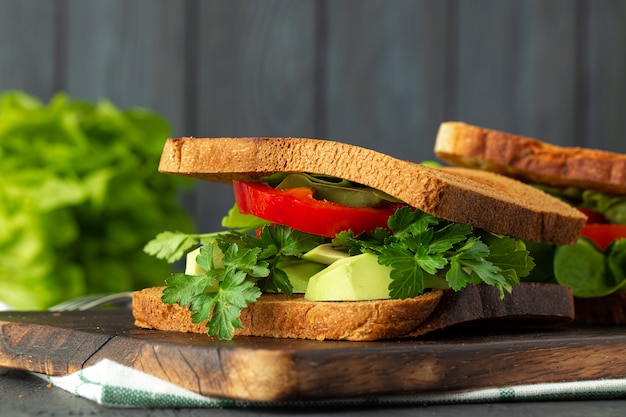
(530, 159)
(278, 316)
(479, 199)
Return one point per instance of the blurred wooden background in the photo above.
(381, 74)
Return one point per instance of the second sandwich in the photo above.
(592, 180)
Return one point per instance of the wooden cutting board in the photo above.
(254, 368)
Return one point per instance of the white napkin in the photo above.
(111, 384)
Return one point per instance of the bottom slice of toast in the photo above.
(279, 316)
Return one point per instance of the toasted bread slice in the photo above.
(275, 315)
(529, 159)
(534, 161)
(485, 200)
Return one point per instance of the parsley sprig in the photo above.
(223, 306)
(420, 246)
(171, 246)
(421, 249)
(250, 265)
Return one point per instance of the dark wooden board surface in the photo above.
(275, 369)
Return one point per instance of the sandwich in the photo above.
(332, 241)
(591, 180)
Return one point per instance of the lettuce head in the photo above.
(80, 196)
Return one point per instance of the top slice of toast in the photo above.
(531, 160)
(479, 198)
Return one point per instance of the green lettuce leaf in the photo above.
(612, 207)
(590, 272)
(80, 196)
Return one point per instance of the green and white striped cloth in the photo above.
(114, 385)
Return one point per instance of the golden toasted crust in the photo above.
(529, 305)
(484, 200)
(529, 159)
(275, 315)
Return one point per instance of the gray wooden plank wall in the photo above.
(381, 74)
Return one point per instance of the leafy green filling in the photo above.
(420, 247)
(587, 270)
(612, 207)
(423, 251)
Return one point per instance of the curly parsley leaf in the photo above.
(222, 308)
(413, 255)
(407, 277)
(205, 257)
(183, 288)
(470, 265)
(364, 242)
(171, 246)
(218, 295)
(279, 282)
(290, 242)
(245, 260)
(421, 247)
(406, 222)
(274, 243)
(510, 254)
(422, 250)
(445, 238)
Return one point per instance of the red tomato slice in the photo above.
(592, 216)
(296, 208)
(603, 234)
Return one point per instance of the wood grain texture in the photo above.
(255, 368)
